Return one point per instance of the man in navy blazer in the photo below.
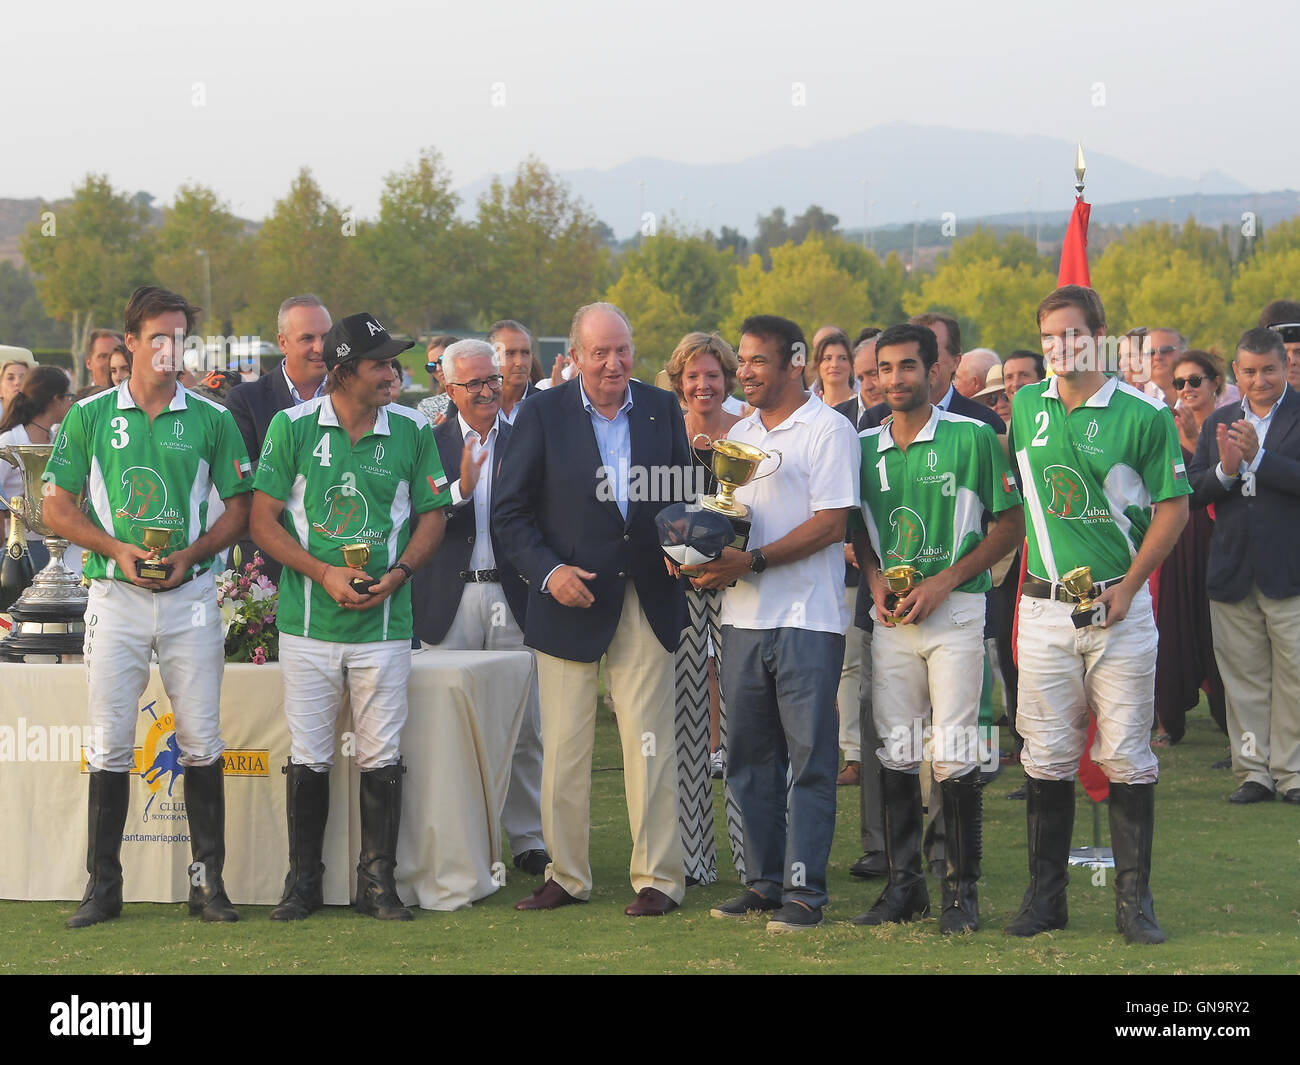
(468, 597)
(1247, 464)
(592, 461)
(301, 324)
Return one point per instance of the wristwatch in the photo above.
(403, 567)
(757, 561)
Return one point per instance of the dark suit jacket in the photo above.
(437, 587)
(1254, 538)
(862, 602)
(967, 408)
(255, 404)
(547, 513)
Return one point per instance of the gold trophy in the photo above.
(735, 465)
(901, 580)
(355, 556)
(1078, 582)
(155, 539)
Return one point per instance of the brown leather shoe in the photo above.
(650, 902)
(850, 776)
(550, 896)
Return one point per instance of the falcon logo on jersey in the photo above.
(909, 534)
(146, 494)
(1069, 495)
(347, 514)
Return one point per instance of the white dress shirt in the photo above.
(482, 556)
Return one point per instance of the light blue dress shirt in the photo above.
(293, 389)
(614, 438)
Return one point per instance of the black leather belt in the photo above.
(480, 576)
(1037, 588)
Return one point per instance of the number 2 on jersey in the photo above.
(1040, 437)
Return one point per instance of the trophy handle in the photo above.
(708, 440)
(779, 459)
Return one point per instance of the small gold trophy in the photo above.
(151, 569)
(734, 465)
(901, 580)
(355, 556)
(1078, 582)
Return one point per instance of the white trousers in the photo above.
(937, 663)
(316, 673)
(483, 622)
(1064, 671)
(124, 625)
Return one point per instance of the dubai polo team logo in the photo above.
(1068, 494)
(347, 514)
(146, 495)
(909, 534)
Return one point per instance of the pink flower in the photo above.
(259, 656)
(254, 628)
(248, 568)
(243, 584)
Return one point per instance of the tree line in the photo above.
(534, 251)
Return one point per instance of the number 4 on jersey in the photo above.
(322, 451)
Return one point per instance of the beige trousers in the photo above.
(641, 681)
(1257, 646)
(846, 697)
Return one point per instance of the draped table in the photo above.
(466, 709)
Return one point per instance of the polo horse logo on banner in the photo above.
(162, 754)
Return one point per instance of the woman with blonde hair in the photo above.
(702, 371)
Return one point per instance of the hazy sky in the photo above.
(238, 95)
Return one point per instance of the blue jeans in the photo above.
(780, 687)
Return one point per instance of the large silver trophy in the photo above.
(49, 618)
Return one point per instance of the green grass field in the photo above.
(1225, 884)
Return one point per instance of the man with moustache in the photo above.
(469, 597)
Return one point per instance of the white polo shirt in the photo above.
(820, 456)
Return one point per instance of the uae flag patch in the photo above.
(1179, 470)
(243, 469)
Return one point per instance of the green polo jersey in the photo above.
(138, 474)
(924, 506)
(336, 494)
(1091, 476)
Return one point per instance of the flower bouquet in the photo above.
(247, 599)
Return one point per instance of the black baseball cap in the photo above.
(360, 336)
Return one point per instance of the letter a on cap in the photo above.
(373, 326)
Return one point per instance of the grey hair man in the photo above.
(512, 346)
(973, 370)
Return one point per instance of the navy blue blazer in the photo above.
(254, 405)
(1254, 537)
(547, 513)
(437, 586)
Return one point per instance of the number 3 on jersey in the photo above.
(322, 451)
(1040, 437)
(120, 436)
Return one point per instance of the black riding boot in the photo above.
(904, 898)
(1049, 812)
(109, 793)
(205, 806)
(307, 805)
(1132, 826)
(381, 815)
(963, 847)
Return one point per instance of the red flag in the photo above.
(1074, 252)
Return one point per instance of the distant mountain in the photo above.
(965, 172)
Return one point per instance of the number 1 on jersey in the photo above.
(884, 479)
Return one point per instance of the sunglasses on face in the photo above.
(1194, 380)
(1164, 349)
